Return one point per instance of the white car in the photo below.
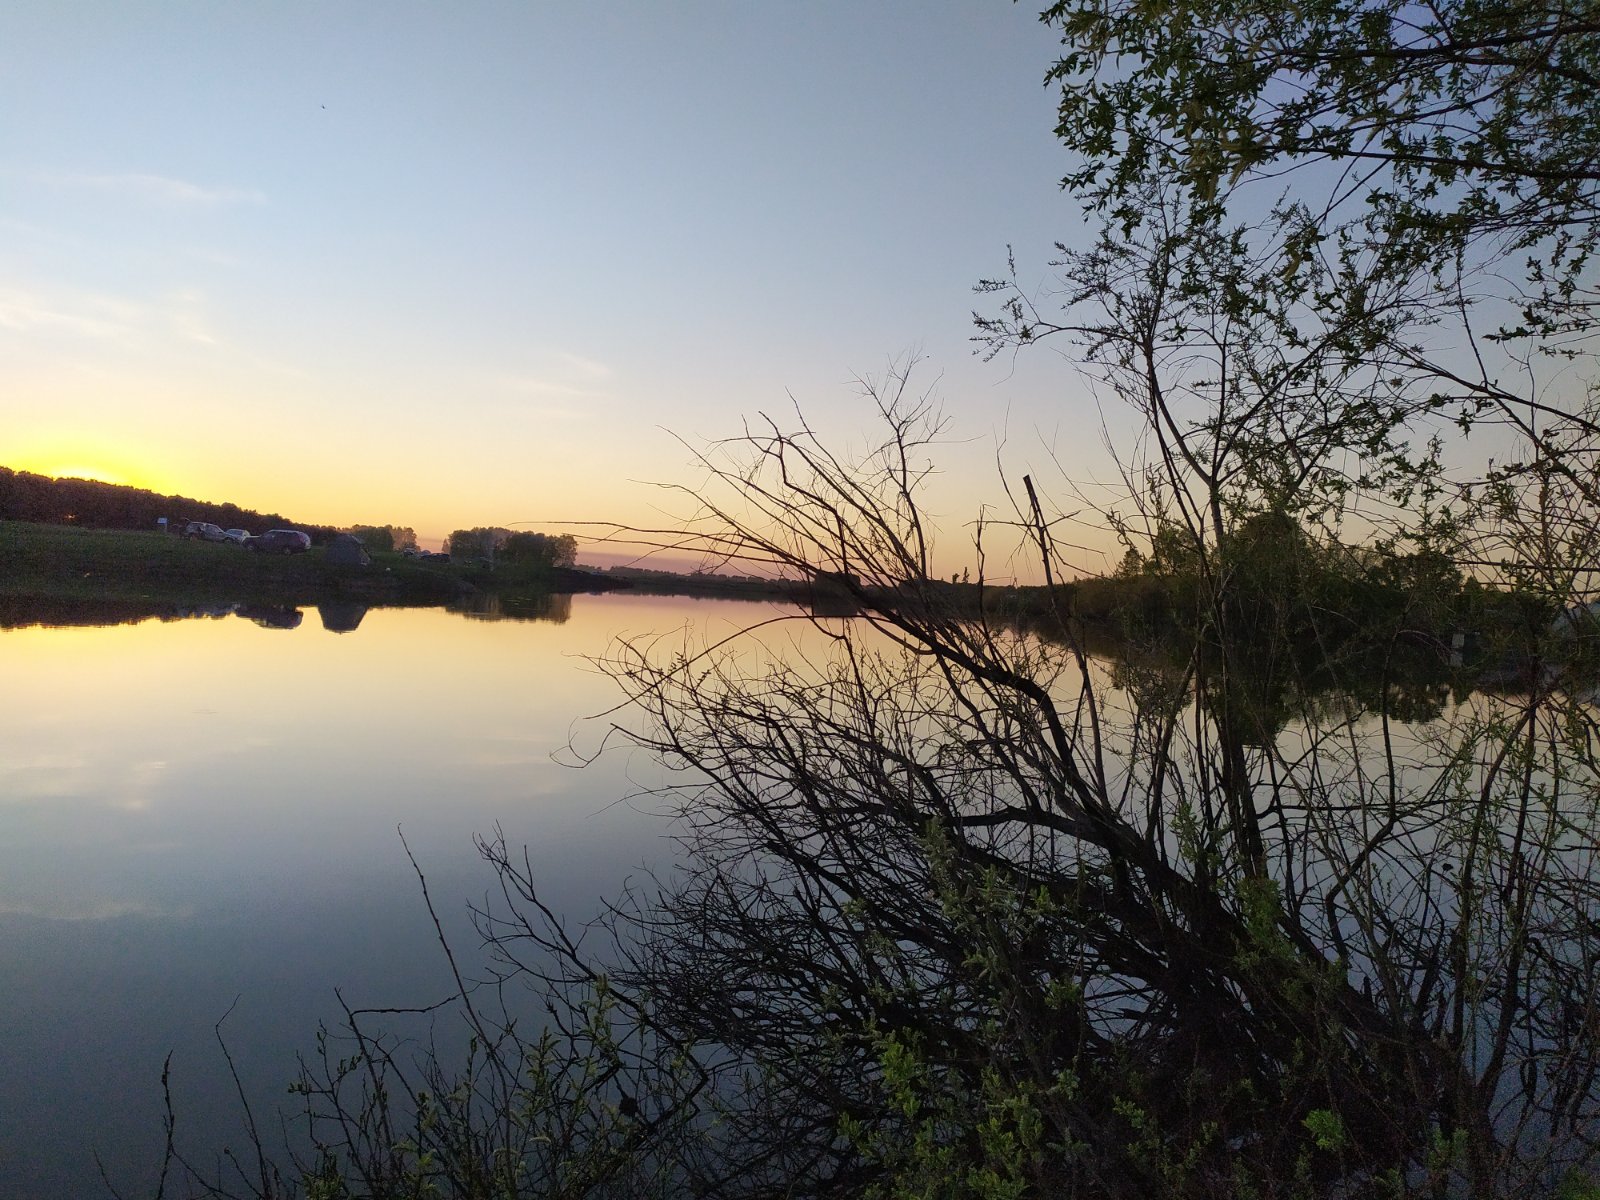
(237, 536)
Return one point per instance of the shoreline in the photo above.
(71, 568)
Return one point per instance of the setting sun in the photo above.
(71, 455)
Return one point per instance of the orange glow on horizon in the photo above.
(96, 474)
(123, 466)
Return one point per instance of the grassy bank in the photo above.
(66, 563)
(99, 566)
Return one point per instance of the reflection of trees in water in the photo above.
(338, 616)
(987, 902)
(20, 612)
(533, 606)
(1414, 685)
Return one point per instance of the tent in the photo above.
(347, 551)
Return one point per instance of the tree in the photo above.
(966, 912)
(28, 497)
(1448, 125)
(541, 550)
(971, 907)
(949, 920)
(1440, 170)
(373, 537)
(478, 542)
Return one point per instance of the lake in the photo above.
(201, 817)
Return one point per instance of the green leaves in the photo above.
(1326, 1129)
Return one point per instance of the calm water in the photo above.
(198, 818)
(201, 814)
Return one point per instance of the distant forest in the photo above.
(25, 496)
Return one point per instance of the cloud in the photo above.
(560, 375)
(98, 319)
(87, 909)
(527, 385)
(586, 368)
(185, 314)
(95, 316)
(156, 189)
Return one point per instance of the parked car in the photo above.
(206, 530)
(237, 536)
(281, 541)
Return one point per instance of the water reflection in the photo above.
(23, 612)
(271, 616)
(338, 616)
(341, 616)
(536, 606)
(193, 810)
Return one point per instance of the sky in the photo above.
(481, 263)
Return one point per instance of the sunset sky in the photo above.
(452, 265)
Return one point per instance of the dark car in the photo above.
(281, 541)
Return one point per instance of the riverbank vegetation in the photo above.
(61, 562)
(964, 910)
(123, 571)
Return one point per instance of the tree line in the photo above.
(92, 504)
(25, 496)
(500, 545)
(384, 537)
